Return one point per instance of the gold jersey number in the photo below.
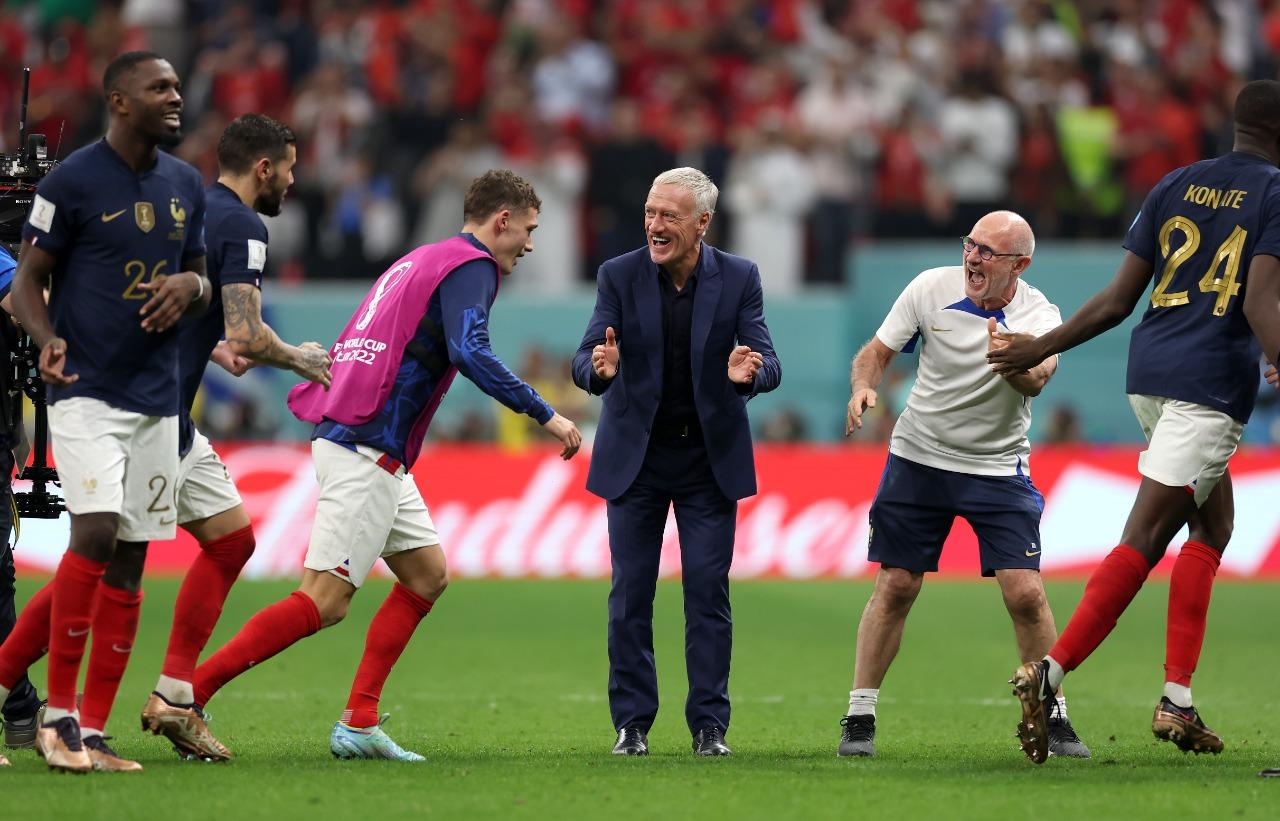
(135, 270)
(1227, 257)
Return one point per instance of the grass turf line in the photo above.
(503, 689)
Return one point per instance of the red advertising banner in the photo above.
(529, 515)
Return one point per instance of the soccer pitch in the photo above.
(503, 689)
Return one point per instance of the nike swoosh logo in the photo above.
(933, 328)
(77, 633)
(164, 523)
(122, 648)
(1033, 552)
(109, 217)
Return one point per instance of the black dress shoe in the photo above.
(631, 741)
(710, 741)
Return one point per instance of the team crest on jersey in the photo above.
(144, 213)
(179, 215)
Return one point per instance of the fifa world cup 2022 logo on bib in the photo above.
(365, 349)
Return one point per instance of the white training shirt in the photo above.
(960, 416)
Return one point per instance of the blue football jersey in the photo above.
(111, 230)
(236, 240)
(1199, 228)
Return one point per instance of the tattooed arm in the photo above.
(249, 336)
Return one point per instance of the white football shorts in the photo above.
(116, 461)
(1188, 445)
(364, 512)
(205, 487)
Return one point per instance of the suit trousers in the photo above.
(675, 472)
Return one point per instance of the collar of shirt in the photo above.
(471, 238)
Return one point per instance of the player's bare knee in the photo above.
(332, 611)
(1213, 534)
(93, 535)
(124, 571)
(897, 588)
(1026, 604)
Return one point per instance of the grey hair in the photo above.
(705, 193)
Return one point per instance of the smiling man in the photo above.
(424, 321)
(959, 449)
(677, 345)
(116, 236)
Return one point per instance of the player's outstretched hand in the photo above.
(743, 364)
(170, 296)
(314, 366)
(226, 359)
(567, 432)
(1011, 353)
(862, 399)
(1273, 377)
(604, 358)
(53, 358)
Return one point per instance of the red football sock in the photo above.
(273, 629)
(75, 586)
(29, 639)
(1110, 590)
(1189, 591)
(115, 625)
(200, 600)
(389, 633)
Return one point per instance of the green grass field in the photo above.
(503, 689)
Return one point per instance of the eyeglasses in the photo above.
(984, 251)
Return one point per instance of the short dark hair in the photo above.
(122, 65)
(1258, 107)
(249, 138)
(496, 190)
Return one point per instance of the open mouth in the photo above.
(976, 279)
(659, 242)
(173, 119)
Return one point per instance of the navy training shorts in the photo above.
(916, 505)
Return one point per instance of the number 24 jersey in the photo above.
(1199, 228)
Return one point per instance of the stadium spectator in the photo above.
(1192, 379)
(979, 130)
(959, 449)
(678, 308)
(768, 191)
(621, 166)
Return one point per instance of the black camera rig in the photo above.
(19, 174)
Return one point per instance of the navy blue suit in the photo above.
(702, 475)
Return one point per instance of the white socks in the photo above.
(863, 702)
(52, 714)
(1178, 694)
(89, 732)
(1056, 674)
(175, 691)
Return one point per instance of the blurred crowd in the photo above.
(825, 122)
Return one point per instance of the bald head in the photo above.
(1009, 233)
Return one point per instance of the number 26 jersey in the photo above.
(112, 230)
(1199, 228)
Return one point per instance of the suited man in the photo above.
(677, 345)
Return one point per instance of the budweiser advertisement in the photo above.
(529, 515)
